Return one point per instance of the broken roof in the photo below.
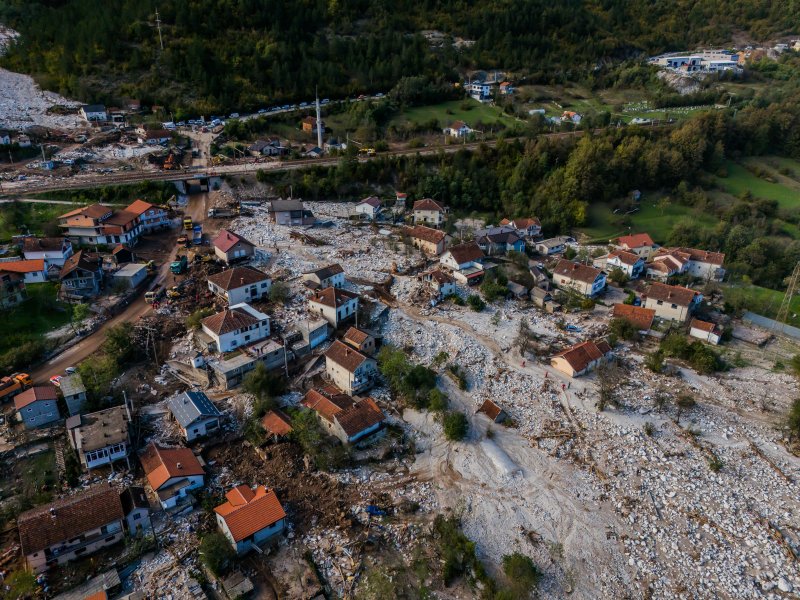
(581, 355)
(345, 356)
(80, 260)
(190, 406)
(34, 394)
(247, 512)
(100, 429)
(333, 297)
(490, 409)
(162, 464)
(69, 517)
(639, 316)
(277, 422)
(71, 385)
(48, 244)
(576, 271)
(674, 294)
(226, 240)
(237, 277)
(326, 272)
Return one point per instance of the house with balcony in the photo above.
(334, 305)
(151, 217)
(237, 326)
(71, 528)
(81, 275)
(249, 517)
(340, 415)
(465, 262)
(100, 438)
(195, 414)
(101, 225)
(350, 370)
(240, 284)
(583, 279)
(172, 473)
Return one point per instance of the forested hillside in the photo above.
(221, 54)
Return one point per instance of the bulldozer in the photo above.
(174, 292)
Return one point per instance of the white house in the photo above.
(240, 284)
(569, 116)
(53, 251)
(330, 276)
(439, 284)
(458, 129)
(351, 371)
(369, 208)
(172, 473)
(552, 246)
(640, 244)
(334, 305)
(94, 112)
(581, 358)
(587, 281)
(671, 302)
(100, 438)
(465, 261)
(237, 326)
(249, 517)
(429, 212)
(195, 414)
(37, 406)
(627, 262)
(151, 217)
(32, 271)
(703, 330)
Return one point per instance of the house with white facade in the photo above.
(429, 212)
(93, 113)
(172, 473)
(151, 217)
(71, 527)
(641, 244)
(334, 305)
(552, 246)
(240, 284)
(627, 262)
(465, 261)
(350, 370)
(101, 225)
(369, 208)
(348, 419)
(37, 406)
(458, 129)
(705, 331)
(229, 246)
(249, 517)
(325, 277)
(438, 283)
(195, 414)
(583, 279)
(237, 326)
(100, 438)
(671, 302)
(53, 251)
(581, 358)
(32, 271)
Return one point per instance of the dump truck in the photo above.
(154, 295)
(179, 266)
(12, 385)
(220, 213)
(187, 223)
(197, 235)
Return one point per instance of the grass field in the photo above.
(762, 301)
(740, 180)
(33, 477)
(469, 111)
(36, 218)
(41, 313)
(650, 219)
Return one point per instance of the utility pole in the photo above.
(786, 304)
(319, 121)
(158, 26)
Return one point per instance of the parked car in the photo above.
(234, 116)
(261, 111)
(56, 380)
(70, 370)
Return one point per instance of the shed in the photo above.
(133, 274)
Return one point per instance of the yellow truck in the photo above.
(14, 384)
(187, 223)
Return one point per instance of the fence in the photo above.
(772, 325)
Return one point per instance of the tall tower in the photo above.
(319, 122)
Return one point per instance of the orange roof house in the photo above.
(172, 473)
(581, 358)
(249, 517)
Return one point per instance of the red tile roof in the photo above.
(464, 253)
(428, 204)
(576, 271)
(702, 325)
(704, 256)
(360, 416)
(139, 207)
(580, 355)
(355, 336)
(93, 211)
(247, 512)
(23, 266)
(345, 356)
(162, 464)
(237, 277)
(636, 240)
(426, 234)
(638, 316)
(32, 244)
(674, 294)
(333, 297)
(226, 240)
(229, 320)
(277, 422)
(490, 409)
(35, 394)
(327, 403)
(68, 518)
(625, 257)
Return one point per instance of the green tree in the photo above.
(684, 402)
(216, 552)
(455, 425)
(618, 276)
(522, 573)
(279, 292)
(476, 303)
(79, 313)
(119, 344)
(437, 400)
(265, 386)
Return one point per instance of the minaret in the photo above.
(319, 123)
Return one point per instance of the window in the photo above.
(137, 516)
(674, 306)
(660, 302)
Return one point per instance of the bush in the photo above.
(458, 552)
(216, 553)
(437, 400)
(618, 276)
(279, 292)
(494, 290)
(194, 319)
(624, 329)
(655, 361)
(455, 425)
(476, 303)
(265, 385)
(793, 420)
(522, 573)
